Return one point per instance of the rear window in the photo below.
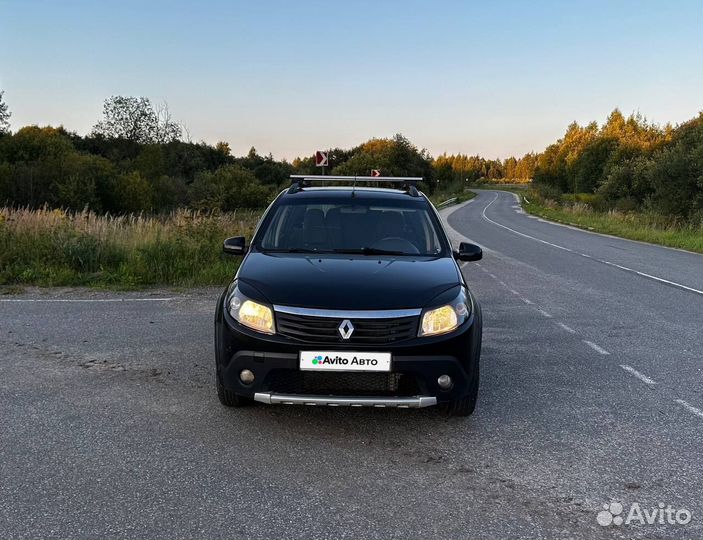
(400, 227)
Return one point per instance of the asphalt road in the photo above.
(591, 392)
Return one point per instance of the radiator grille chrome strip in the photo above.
(349, 314)
(414, 402)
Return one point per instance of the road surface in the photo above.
(591, 393)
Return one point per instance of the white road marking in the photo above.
(565, 327)
(557, 246)
(641, 376)
(650, 276)
(599, 350)
(690, 408)
(456, 235)
(526, 300)
(85, 300)
(518, 232)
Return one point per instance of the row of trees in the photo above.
(48, 165)
(474, 168)
(628, 163)
(135, 159)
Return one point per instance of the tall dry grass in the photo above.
(645, 226)
(55, 247)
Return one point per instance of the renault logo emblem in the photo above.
(346, 329)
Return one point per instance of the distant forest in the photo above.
(136, 160)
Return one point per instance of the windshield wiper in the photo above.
(294, 250)
(371, 251)
(354, 251)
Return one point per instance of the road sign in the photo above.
(375, 172)
(320, 159)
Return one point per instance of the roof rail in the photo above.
(407, 183)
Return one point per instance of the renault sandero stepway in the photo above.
(349, 296)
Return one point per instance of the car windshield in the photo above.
(367, 227)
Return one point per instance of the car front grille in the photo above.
(312, 329)
(286, 381)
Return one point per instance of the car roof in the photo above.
(321, 192)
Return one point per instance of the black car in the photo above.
(349, 296)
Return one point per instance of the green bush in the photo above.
(548, 192)
(228, 188)
(593, 200)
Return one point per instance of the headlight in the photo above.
(447, 318)
(251, 314)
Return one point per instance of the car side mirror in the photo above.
(234, 246)
(468, 252)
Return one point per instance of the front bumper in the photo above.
(400, 402)
(412, 382)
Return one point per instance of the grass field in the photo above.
(631, 225)
(56, 248)
(642, 226)
(53, 247)
(645, 227)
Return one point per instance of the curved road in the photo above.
(590, 393)
(641, 303)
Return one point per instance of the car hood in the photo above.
(348, 282)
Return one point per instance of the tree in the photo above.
(394, 157)
(133, 193)
(4, 115)
(80, 180)
(227, 188)
(273, 172)
(510, 168)
(223, 148)
(677, 173)
(166, 129)
(151, 162)
(134, 119)
(37, 156)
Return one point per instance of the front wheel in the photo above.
(465, 406)
(230, 399)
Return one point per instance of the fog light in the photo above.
(246, 376)
(444, 382)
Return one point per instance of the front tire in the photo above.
(230, 399)
(463, 407)
(466, 405)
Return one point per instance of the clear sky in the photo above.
(492, 77)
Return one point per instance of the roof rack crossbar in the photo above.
(323, 178)
(408, 183)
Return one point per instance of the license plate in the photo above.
(345, 361)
